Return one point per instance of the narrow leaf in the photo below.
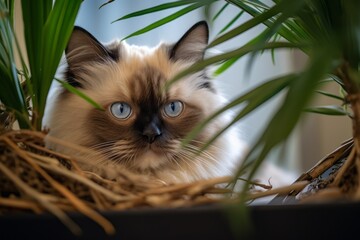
(106, 3)
(166, 19)
(225, 66)
(232, 21)
(328, 110)
(157, 8)
(330, 95)
(336, 79)
(220, 11)
(74, 90)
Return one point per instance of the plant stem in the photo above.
(351, 81)
(353, 97)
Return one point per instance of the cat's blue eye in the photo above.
(120, 110)
(173, 109)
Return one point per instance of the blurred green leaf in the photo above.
(168, 19)
(328, 110)
(161, 7)
(260, 19)
(237, 53)
(252, 100)
(289, 29)
(220, 11)
(276, 38)
(336, 79)
(285, 119)
(9, 6)
(106, 3)
(330, 95)
(226, 65)
(232, 21)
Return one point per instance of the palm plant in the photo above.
(47, 27)
(327, 31)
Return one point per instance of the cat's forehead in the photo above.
(147, 85)
(143, 69)
(140, 75)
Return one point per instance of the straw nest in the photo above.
(36, 179)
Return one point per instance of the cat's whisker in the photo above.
(206, 160)
(202, 143)
(194, 171)
(173, 159)
(188, 153)
(195, 151)
(197, 163)
(130, 158)
(187, 159)
(102, 145)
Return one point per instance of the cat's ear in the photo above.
(84, 47)
(192, 44)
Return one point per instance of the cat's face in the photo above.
(142, 124)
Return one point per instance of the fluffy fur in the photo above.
(120, 73)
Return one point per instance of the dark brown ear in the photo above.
(83, 47)
(192, 44)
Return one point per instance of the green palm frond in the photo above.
(47, 27)
(11, 93)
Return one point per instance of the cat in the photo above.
(142, 125)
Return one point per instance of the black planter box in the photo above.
(298, 221)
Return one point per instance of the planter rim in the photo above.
(331, 220)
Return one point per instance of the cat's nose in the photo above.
(151, 132)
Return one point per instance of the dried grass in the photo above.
(36, 179)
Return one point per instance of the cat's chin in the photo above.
(150, 160)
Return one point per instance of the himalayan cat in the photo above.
(142, 125)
